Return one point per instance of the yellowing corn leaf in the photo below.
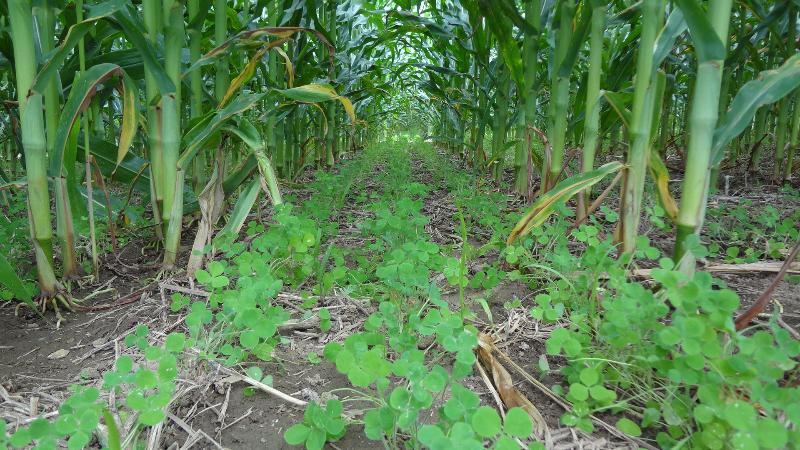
(250, 69)
(315, 93)
(311, 93)
(250, 36)
(546, 204)
(289, 66)
(660, 174)
(348, 108)
(129, 119)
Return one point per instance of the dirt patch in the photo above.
(237, 417)
(36, 350)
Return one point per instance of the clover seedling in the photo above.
(213, 277)
(320, 425)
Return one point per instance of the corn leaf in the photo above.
(242, 208)
(316, 93)
(675, 26)
(769, 87)
(202, 131)
(283, 33)
(546, 204)
(577, 42)
(310, 93)
(289, 66)
(501, 27)
(239, 174)
(132, 169)
(250, 69)
(509, 8)
(660, 174)
(617, 102)
(134, 32)
(79, 99)
(56, 58)
(251, 137)
(418, 22)
(211, 201)
(12, 281)
(706, 41)
(129, 115)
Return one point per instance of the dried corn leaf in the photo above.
(510, 395)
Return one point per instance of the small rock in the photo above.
(327, 396)
(90, 373)
(314, 380)
(310, 395)
(58, 354)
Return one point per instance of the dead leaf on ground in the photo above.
(510, 395)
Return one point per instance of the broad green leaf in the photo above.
(501, 27)
(769, 87)
(79, 99)
(151, 417)
(740, 415)
(242, 208)
(589, 376)
(194, 139)
(706, 40)
(771, 433)
(76, 32)
(316, 439)
(296, 434)
(10, 279)
(665, 41)
(518, 423)
(486, 422)
(629, 427)
(175, 342)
